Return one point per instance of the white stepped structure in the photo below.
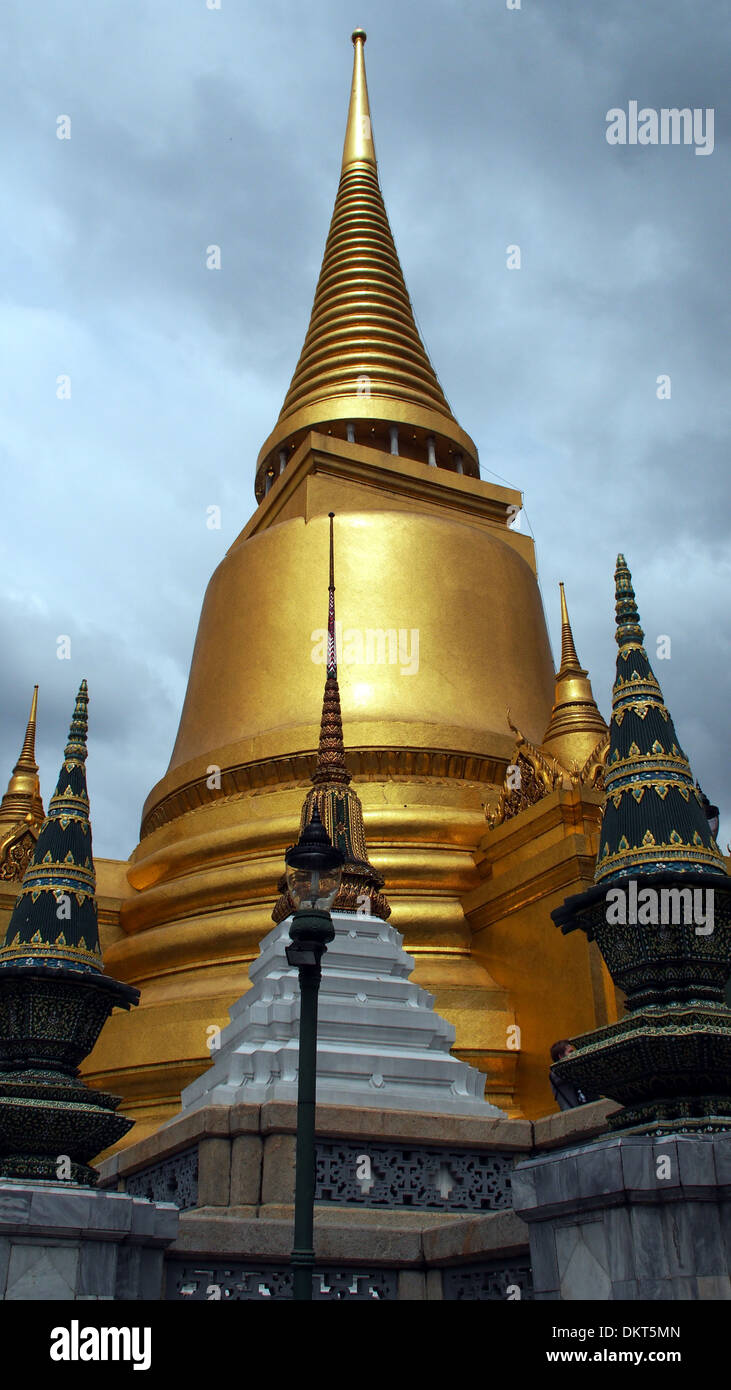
(379, 1041)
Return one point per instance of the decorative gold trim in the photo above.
(16, 850)
(540, 774)
(296, 769)
(29, 951)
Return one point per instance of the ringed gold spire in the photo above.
(363, 373)
(569, 658)
(23, 795)
(576, 726)
(21, 809)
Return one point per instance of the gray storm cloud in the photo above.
(192, 127)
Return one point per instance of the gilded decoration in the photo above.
(21, 808)
(533, 774)
(535, 771)
(16, 852)
(530, 776)
(575, 744)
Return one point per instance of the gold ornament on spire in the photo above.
(21, 809)
(363, 370)
(359, 147)
(569, 658)
(575, 745)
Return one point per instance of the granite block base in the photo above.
(64, 1241)
(631, 1217)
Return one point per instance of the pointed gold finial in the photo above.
(359, 146)
(28, 751)
(23, 796)
(21, 809)
(569, 658)
(576, 726)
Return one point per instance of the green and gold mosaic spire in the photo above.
(54, 921)
(654, 820)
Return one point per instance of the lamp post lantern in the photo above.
(314, 869)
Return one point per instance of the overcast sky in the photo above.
(192, 126)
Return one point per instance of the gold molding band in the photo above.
(367, 764)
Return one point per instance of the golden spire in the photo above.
(22, 800)
(569, 659)
(576, 726)
(359, 145)
(363, 373)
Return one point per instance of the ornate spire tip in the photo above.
(569, 657)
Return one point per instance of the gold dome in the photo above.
(363, 369)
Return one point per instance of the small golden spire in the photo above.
(569, 658)
(22, 800)
(359, 146)
(576, 726)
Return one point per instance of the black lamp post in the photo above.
(314, 868)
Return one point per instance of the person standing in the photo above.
(565, 1092)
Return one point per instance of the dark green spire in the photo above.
(54, 921)
(654, 818)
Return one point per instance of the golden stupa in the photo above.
(479, 825)
(21, 809)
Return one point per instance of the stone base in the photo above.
(428, 1216)
(632, 1217)
(61, 1241)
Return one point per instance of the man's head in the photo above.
(562, 1048)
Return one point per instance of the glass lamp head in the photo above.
(314, 867)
